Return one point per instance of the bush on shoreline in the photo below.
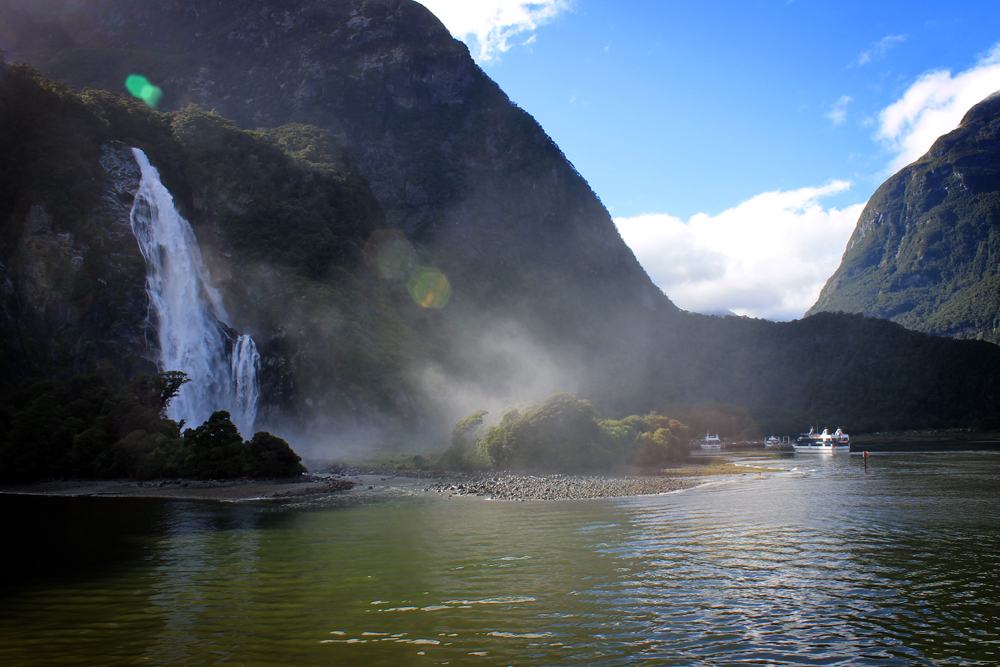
(97, 427)
(565, 433)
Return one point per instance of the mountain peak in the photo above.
(985, 111)
(926, 250)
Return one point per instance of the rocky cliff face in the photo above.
(440, 143)
(926, 251)
(404, 173)
(470, 180)
(74, 295)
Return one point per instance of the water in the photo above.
(190, 319)
(819, 564)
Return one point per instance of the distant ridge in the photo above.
(720, 312)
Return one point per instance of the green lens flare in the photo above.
(140, 87)
(395, 258)
(429, 287)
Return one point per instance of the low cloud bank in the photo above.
(768, 257)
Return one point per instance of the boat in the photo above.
(711, 442)
(823, 442)
(773, 441)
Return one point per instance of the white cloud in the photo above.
(838, 114)
(768, 257)
(488, 26)
(878, 49)
(934, 105)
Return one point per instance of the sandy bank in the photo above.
(189, 489)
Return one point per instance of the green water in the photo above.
(822, 563)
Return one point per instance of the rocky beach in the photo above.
(508, 486)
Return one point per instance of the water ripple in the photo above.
(824, 566)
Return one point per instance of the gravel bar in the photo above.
(511, 486)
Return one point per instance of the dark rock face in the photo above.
(75, 295)
(445, 150)
(926, 251)
(544, 291)
(470, 179)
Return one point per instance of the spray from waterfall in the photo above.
(190, 320)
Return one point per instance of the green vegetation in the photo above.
(833, 370)
(466, 183)
(216, 450)
(305, 214)
(463, 438)
(925, 251)
(281, 216)
(565, 433)
(95, 426)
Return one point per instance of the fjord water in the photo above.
(821, 563)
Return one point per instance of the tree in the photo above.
(167, 385)
(463, 436)
(268, 455)
(214, 449)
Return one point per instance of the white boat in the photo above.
(773, 441)
(711, 442)
(823, 442)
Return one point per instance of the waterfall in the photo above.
(245, 374)
(190, 319)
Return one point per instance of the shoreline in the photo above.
(187, 489)
(493, 485)
(511, 486)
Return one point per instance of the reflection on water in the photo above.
(822, 563)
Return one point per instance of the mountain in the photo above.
(926, 251)
(403, 243)
(453, 163)
(540, 278)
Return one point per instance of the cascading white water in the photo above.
(245, 377)
(190, 318)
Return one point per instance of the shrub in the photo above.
(565, 433)
(213, 450)
(268, 455)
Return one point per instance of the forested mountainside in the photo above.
(453, 163)
(403, 243)
(465, 175)
(280, 219)
(926, 251)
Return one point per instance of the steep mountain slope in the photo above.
(384, 174)
(332, 338)
(463, 171)
(926, 251)
(471, 181)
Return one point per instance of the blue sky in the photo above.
(736, 142)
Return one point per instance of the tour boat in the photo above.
(823, 442)
(711, 442)
(773, 441)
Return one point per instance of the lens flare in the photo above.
(388, 254)
(429, 287)
(140, 87)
